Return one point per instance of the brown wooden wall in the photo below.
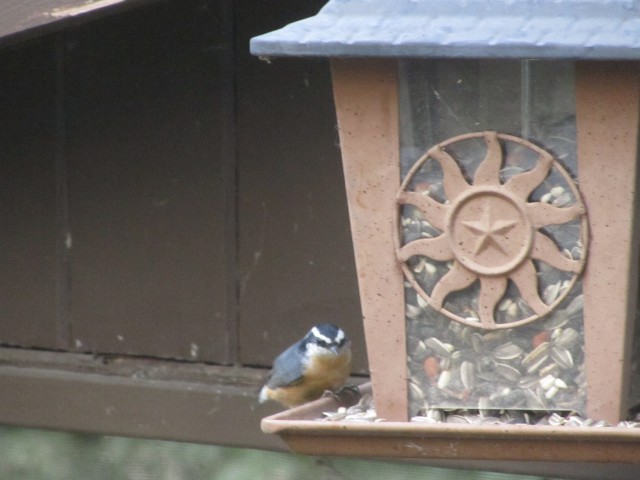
(294, 253)
(165, 194)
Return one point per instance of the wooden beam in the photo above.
(134, 397)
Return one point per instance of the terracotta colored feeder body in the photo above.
(491, 197)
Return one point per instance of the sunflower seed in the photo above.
(534, 359)
(533, 401)
(512, 311)
(551, 293)
(508, 372)
(551, 369)
(467, 374)
(557, 319)
(439, 348)
(563, 200)
(430, 268)
(567, 338)
(413, 311)
(547, 382)
(444, 379)
(528, 382)
(507, 351)
(549, 394)
(560, 383)
(422, 303)
(505, 304)
(556, 191)
(562, 357)
(415, 393)
(483, 406)
(420, 350)
(576, 307)
(555, 419)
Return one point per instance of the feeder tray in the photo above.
(304, 433)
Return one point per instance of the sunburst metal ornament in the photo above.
(490, 230)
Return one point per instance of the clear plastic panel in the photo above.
(493, 231)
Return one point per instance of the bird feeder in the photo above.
(489, 152)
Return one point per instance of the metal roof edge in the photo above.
(578, 29)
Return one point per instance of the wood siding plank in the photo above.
(147, 139)
(28, 196)
(296, 265)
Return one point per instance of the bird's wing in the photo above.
(287, 368)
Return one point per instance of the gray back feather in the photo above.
(287, 368)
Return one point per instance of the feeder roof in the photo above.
(576, 29)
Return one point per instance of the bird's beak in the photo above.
(335, 349)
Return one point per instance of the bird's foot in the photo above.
(345, 396)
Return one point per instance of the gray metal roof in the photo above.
(590, 29)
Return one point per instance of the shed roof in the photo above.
(21, 20)
(578, 29)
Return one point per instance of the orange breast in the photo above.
(324, 373)
(327, 373)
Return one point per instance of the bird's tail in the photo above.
(264, 396)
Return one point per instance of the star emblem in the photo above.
(488, 230)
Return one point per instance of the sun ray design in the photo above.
(426, 204)
(457, 278)
(544, 214)
(488, 172)
(437, 248)
(454, 183)
(490, 230)
(491, 291)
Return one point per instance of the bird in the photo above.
(317, 363)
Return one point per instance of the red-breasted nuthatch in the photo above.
(318, 362)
